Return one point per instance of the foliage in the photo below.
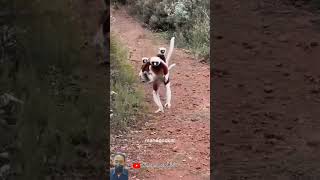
(187, 20)
(316, 3)
(127, 103)
(42, 64)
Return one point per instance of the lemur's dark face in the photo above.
(162, 50)
(155, 63)
(145, 60)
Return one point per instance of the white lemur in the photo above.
(156, 70)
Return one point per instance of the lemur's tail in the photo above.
(170, 50)
(171, 66)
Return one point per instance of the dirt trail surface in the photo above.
(187, 121)
(267, 82)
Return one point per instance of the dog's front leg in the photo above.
(168, 96)
(156, 99)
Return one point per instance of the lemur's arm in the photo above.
(165, 72)
(161, 56)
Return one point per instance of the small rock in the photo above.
(267, 82)
(315, 90)
(314, 44)
(268, 89)
(184, 160)
(240, 85)
(235, 121)
(299, 44)
(194, 119)
(3, 123)
(247, 46)
(313, 143)
(226, 131)
(283, 39)
(4, 169)
(289, 128)
(4, 155)
(286, 74)
(269, 97)
(175, 149)
(203, 61)
(273, 136)
(219, 37)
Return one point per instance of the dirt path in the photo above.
(187, 122)
(268, 81)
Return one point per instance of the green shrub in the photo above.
(127, 104)
(56, 79)
(315, 3)
(187, 20)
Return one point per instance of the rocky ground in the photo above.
(266, 87)
(187, 122)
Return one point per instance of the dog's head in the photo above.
(162, 50)
(144, 74)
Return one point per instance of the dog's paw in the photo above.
(167, 105)
(159, 110)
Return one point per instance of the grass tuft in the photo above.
(127, 103)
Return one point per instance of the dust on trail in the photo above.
(188, 120)
(267, 113)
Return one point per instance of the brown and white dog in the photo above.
(156, 70)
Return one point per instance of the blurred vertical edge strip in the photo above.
(212, 94)
(106, 33)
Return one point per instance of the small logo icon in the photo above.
(136, 165)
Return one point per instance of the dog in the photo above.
(156, 70)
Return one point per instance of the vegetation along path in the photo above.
(187, 122)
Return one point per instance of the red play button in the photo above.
(136, 165)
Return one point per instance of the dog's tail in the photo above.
(171, 66)
(170, 50)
